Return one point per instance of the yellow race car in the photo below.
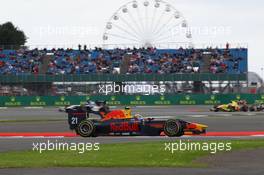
(233, 106)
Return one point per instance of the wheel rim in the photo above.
(86, 128)
(172, 128)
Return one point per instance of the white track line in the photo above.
(197, 116)
(257, 135)
(33, 107)
(226, 115)
(250, 114)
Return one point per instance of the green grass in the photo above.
(149, 154)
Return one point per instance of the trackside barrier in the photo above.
(115, 100)
(120, 78)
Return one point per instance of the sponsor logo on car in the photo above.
(124, 127)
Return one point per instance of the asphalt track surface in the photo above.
(50, 120)
(134, 171)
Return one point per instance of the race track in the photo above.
(21, 120)
(50, 120)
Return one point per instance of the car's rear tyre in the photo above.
(244, 109)
(173, 128)
(86, 128)
(216, 110)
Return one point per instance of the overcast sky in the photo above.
(42, 21)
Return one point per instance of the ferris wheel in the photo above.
(146, 23)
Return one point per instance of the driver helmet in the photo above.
(128, 112)
(93, 106)
(89, 102)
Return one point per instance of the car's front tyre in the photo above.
(173, 128)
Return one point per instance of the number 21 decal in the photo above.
(74, 120)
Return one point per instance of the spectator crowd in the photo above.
(141, 61)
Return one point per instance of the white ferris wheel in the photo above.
(147, 23)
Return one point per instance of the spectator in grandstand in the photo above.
(227, 46)
(20, 62)
(147, 61)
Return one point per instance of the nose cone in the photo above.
(201, 125)
(196, 126)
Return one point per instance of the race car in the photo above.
(257, 107)
(121, 122)
(233, 106)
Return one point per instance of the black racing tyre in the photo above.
(86, 128)
(173, 128)
(244, 109)
(216, 110)
(252, 109)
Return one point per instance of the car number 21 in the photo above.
(74, 120)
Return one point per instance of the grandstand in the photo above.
(40, 72)
(142, 61)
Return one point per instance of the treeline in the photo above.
(11, 37)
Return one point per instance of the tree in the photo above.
(11, 37)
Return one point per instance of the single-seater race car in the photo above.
(257, 107)
(121, 122)
(234, 106)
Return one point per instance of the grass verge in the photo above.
(149, 154)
